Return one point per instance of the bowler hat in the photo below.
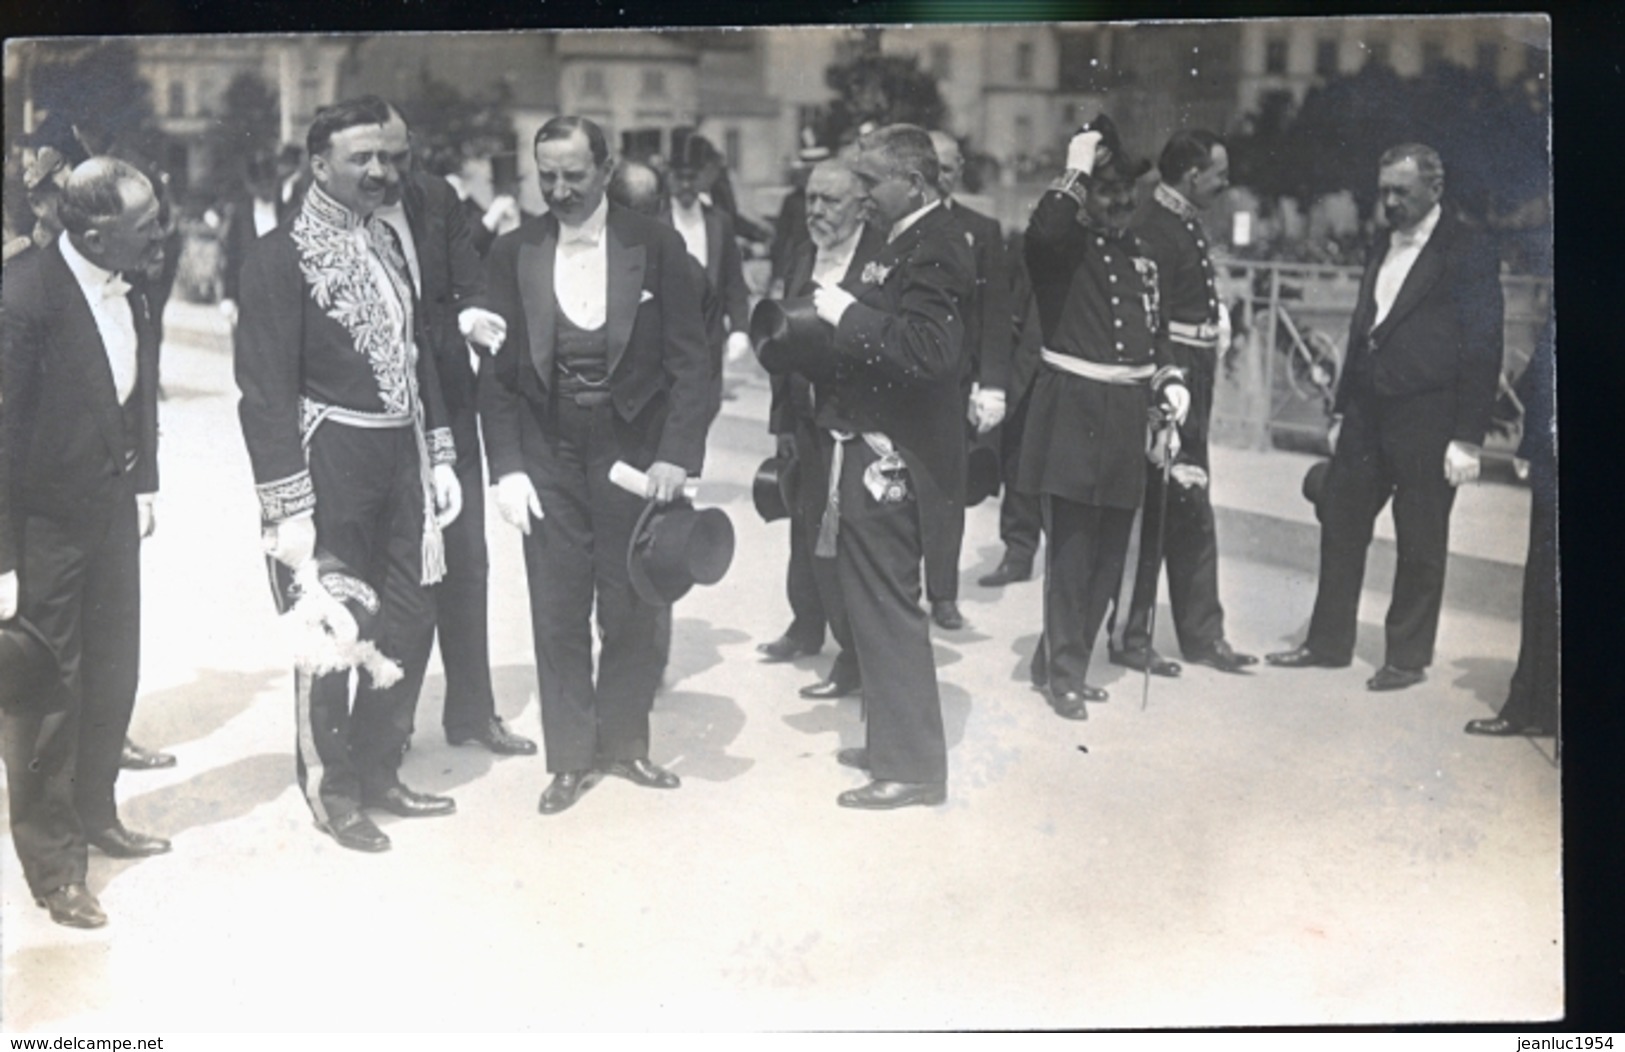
(773, 489)
(1314, 483)
(790, 337)
(1118, 163)
(981, 475)
(676, 546)
(27, 664)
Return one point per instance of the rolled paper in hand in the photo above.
(636, 482)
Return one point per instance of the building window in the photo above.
(1024, 61)
(654, 82)
(1326, 58)
(1432, 54)
(1024, 134)
(731, 149)
(1275, 55)
(942, 61)
(1069, 115)
(592, 82)
(1377, 53)
(177, 98)
(1489, 57)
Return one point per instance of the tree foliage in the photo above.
(98, 89)
(884, 89)
(249, 122)
(447, 123)
(1492, 137)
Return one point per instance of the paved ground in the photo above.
(1281, 848)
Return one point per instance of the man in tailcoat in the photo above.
(78, 457)
(352, 454)
(895, 425)
(1412, 409)
(605, 360)
(1084, 451)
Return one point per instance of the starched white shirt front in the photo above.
(107, 293)
(831, 264)
(264, 217)
(581, 269)
(1403, 248)
(690, 222)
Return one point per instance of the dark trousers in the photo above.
(369, 514)
(1020, 516)
(878, 565)
(808, 619)
(575, 554)
(1532, 698)
(80, 585)
(944, 539)
(462, 612)
(812, 494)
(1190, 548)
(1083, 571)
(1383, 453)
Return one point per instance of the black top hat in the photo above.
(27, 664)
(676, 546)
(1314, 482)
(790, 337)
(1117, 163)
(773, 489)
(504, 169)
(981, 475)
(691, 153)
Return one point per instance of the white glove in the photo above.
(228, 310)
(448, 495)
(1080, 152)
(1177, 398)
(482, 328)
(1461, 463)
(291, 542)
(8, 595)
(738, 347)
(1188, 475)
(502, 216)
(1227, 331)
(1334, 431)
(1164, 444)
(987, 408)
(146, 521)
(831, 302)
(517, 501)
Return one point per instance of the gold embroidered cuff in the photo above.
(285, 498)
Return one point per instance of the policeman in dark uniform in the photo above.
(1084, 451)
(1195, 170)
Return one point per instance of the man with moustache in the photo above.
(1195, 169)
(449, 280)
(78, 459)
(837, 245)
(1084, 451)
(605, 360)
(352, 454)
(1412, 409)
(894, 418)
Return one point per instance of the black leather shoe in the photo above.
(117, 842)
(1302, 657)
(1007, 572)
(1500, 728)
(1222, 657)
(887, 796)
(1390, 678)
(855, 758)
(357, 832)
(830, 689)
(642, 772)
(135, 758)
(1140, 660)
(565, 789)
(1069, 704)
(785, 648)
(496, 737)
(945, 612)
(74, 906)
(399, 800)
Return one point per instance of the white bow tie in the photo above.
(116, 288)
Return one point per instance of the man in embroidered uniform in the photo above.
(1412, 409)
(835, 248)
(605, 361)
(1195, 169)
(449, 279)
(897, 423)
(78, 461)
(352, 454)
(1084, 451)
(986, 371)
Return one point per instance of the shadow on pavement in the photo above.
(690, 733)
(193, 711)
(1485, 678)
(696, 646)
(70, 977)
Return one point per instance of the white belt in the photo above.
(1124, 375)
(1205, 334)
